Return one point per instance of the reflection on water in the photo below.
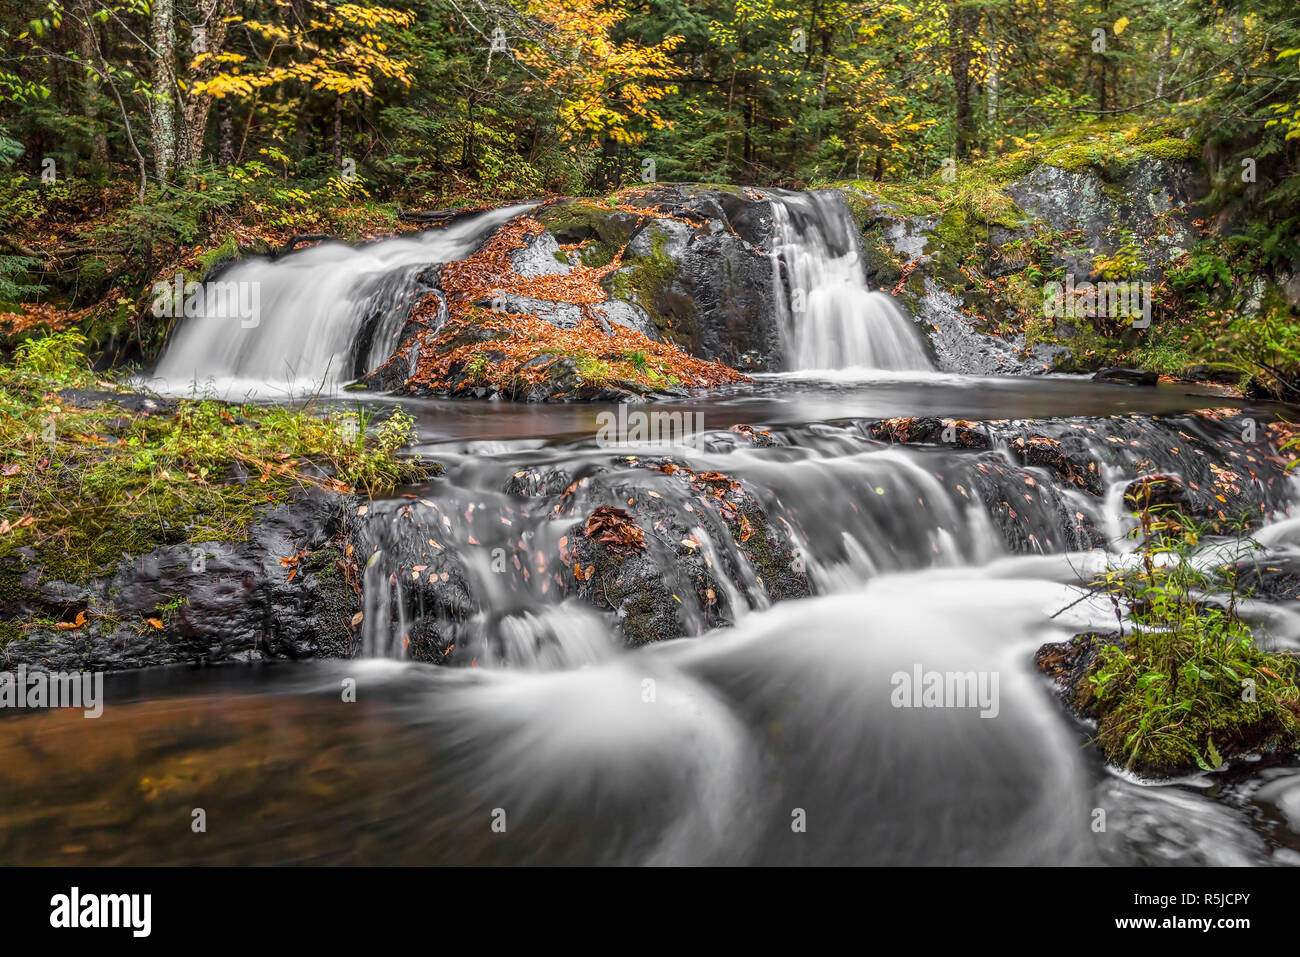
(794, 398)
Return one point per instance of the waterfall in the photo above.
(831, 319)
(322, 316)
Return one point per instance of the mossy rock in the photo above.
(602, 231)
(648, 281)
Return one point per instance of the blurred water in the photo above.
(326, 316)
(832, 320)
(776, 740)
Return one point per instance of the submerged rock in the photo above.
(1128, 376)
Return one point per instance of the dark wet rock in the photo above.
(1071, 466)
(1033, 516)
(928, 430)
(708, 542)
(628, 583)
(1128, 376)
(1067, 663)
(214, 601)
(534, 483)
(427, 587)
(140, 402)
(1271, 577)
(705, 288)
(759, 438)
(426, 311)
(1199, 464)
(395, 371)
(696, 265)
(542, 378)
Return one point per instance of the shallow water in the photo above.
(776, 740)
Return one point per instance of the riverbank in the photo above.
(141, 530)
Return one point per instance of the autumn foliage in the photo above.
(605, 353)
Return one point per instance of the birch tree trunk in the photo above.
(1165, 47)
(162, 36)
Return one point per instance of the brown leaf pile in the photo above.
(520, 337)
(616, 530)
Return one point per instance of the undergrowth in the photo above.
(1189, 686)
(85, 485)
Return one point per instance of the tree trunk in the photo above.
(338, 133)
(1166, 47)
(962, 21)
(98, 138)
(225, 133)
(212, 14)
(162, 35)
(994, 78)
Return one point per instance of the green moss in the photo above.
(1155, 130)
(1172, 149)
(1012, 168)
(593, 371)
(861, 208)
(99, 482)
(644, 280)
(586, 222)
(230, 249)
(11, 586)
(9, 631)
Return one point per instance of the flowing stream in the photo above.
(770, 737)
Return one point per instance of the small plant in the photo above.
(477, 367)
(1189, 685)
(1122, 263)
(57, 357)
(593, 371)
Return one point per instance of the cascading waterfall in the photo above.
(832, 320)
(316, 310)
(855, 510)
